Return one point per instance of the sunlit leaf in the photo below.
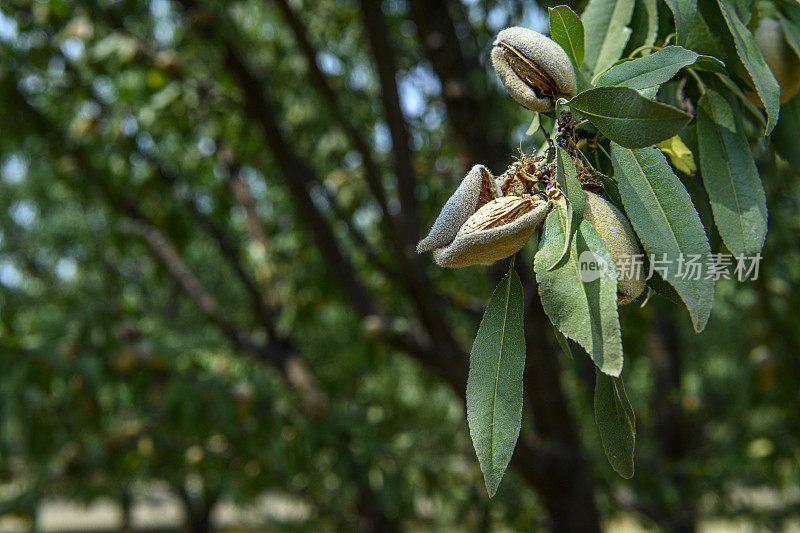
(664, 218)
(679, 154)
(606, 25)
(644, 25)
(683, 11)
(585, 311)
(730, 176)
(566, 29)
(628, 118)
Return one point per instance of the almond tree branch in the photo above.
(148, 52)
(377, 34)
(538, 460)
(468, 107)
(298, 177)
(320, 82)
(277, 352)
(298, 180)
(403, 227)
(225, 243)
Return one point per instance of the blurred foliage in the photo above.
(111, 379)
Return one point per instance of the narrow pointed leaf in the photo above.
(494, 385)
(563, 343)
(724, 85)
(760, 73)
(655, 69)
(567, 177)
(606, 25)
(628, 118)
(664, 218)
(730, 176)
(644, 25)
(583, 311)
(616, 421)
(566, 29)
(683, 11)
(535, 124)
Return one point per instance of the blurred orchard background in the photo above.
(212, 315)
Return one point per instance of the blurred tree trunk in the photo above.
(126, 503)
(566, 485)
(198, 510)
(674, 434)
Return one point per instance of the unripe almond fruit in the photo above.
(781, 58)
(617, 234)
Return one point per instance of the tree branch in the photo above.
(377, 33)
(469, 113)
(320, 82)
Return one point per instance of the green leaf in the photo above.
(708, 34)
(644, 25)
(653, 70)
(616, 421)
(563, 343)
(683, 11)
(494, 385)
(611, 188)
(730, 176)
(628, 118)
(566, 29)
(724, 85)
(534, 127)
(785, 136)
(567, 178)
(583, 311)
(760, 73)
(661, 287)
(605, 23)
(664, 218)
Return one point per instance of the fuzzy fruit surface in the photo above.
(617, 234)
(781, 58)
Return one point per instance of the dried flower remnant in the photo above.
(480, 223)
(535, 70)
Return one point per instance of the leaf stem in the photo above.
(584, 157)
(700, 84)
(604, 151)
(559, 104)
(643, 48)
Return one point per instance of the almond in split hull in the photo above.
(498, 212)
(495, 231)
